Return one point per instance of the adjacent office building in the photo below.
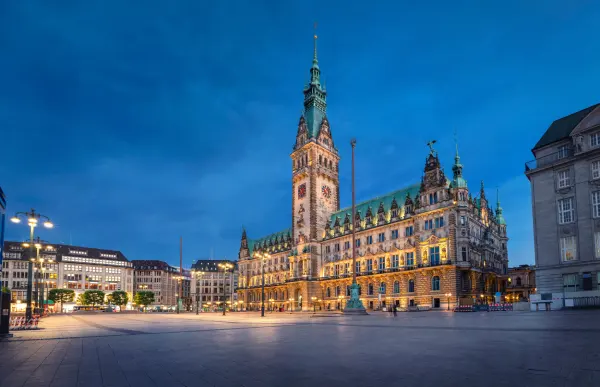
(565, 192)
(160, 278)
(212, 286)
(521, 283)
(65, 266)
(2, 223)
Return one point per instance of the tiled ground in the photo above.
(413, 349)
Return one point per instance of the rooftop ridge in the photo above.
(345, 209)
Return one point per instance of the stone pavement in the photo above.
(282, 349)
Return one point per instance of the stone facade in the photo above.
(161, 279)
(565, 191)
(427, 244)
(211, 286)
(521, 283)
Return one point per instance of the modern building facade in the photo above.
(2, 224)
(211, 286)
(65, 266)
(565, 192)
(521, 283)
(430, 243)
(160, 278)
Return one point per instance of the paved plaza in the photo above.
(242, 349)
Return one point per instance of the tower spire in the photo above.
(457, 179)
(499, 216)
(315, 96)
(315, 61)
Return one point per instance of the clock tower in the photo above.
(315, 161)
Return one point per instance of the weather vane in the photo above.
(430, 145)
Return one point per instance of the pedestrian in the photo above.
(395, 310)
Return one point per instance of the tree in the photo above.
(93, 297)
(61, 295)
(144, 298)
(120, 298)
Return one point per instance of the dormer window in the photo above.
(394, 213)
(563, 151)
(408, 209)
(326, 141)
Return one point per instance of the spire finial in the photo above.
(430, 145)
(315, 43)
(456, 144)
(497, 197)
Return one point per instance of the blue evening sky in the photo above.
(132, 123)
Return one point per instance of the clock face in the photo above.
(326, 192)
(301, 191)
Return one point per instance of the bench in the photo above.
(547, 305)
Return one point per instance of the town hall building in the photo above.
(431, 243)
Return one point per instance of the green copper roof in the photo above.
(362, 208)
(499, 216)
(315, 99)
(274, 238)
(458, 180)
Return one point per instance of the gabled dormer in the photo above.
(433, 183)
(409, 205)
(394, 210)
(380, 214)
(357, 221)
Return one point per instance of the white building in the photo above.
(65, 266)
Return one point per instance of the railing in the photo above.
(586, 302)
(548, 160)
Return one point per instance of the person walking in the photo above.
(395, 309)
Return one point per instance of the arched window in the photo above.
(370, 292)
(337, 291)
(396, 286)
(382, 288)
(411, 285)
(518, 281)
(328, 292)
(435, 283)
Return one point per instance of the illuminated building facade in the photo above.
(70, 267)
(160, 278)
(429, 243)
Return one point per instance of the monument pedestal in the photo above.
(354, 306)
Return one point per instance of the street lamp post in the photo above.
(225, 266)
(199, 293)
(354, 305)
(33, 219)
(448, 295)
(263, 257)
(314, 299)
(291, 304)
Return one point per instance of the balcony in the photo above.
(548, 160)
